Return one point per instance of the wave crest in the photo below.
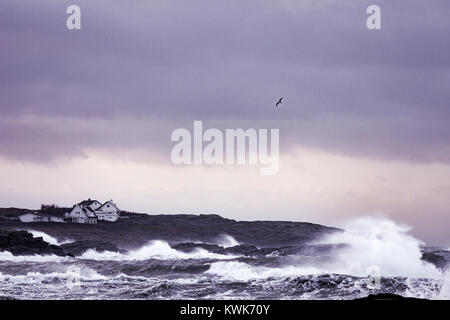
(48, 238)
(156, 249)
(8, 256)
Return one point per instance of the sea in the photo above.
(376, 257)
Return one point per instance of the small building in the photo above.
(91, 211)
(81, 214)
(33, 217)
(108, 212)
(37, 217)
(87, 211)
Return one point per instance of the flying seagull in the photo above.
(280, 101)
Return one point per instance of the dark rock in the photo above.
(311, 250)
(77, 248)
(247, 250)
(192, 246)
(23, 243)
(242, 250)
(385, 296)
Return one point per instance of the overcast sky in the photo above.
(364, 128)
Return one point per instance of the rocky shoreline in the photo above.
(22, 243)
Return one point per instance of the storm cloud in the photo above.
(139, 69)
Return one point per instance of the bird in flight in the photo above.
(280, 101)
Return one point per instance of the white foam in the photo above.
(233, 270)
(381, 243)
(70, 273)
(156, 249)
(371, 242)
(48, 238)
(227, 241)
(8, 256)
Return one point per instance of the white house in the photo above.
(108, 212)
(81, 214)
(32, 217)
(91, 211)
(35, 217)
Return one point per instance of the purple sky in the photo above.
(139, 69)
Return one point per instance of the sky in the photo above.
(363, 127)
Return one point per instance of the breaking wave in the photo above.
(382, 244)
(227, 241)
(369, 244)
(234, 270)
(156, 249)
(8, 256)
(48, 238)
(72, 272)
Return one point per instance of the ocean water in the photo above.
(377, 256)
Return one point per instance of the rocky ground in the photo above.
(23, 243)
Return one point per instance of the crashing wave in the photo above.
(48, 238)
(8, 256)
(156, 249)
(71, 273)
(378, 244)
(227, 241)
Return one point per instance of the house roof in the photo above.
(88, 202)
(88, 211)
(110, 202)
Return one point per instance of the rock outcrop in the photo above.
(22, 243)
(77, 248)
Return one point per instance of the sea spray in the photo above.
(379, 242)
(227, 241)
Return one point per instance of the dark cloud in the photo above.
(378, 94)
